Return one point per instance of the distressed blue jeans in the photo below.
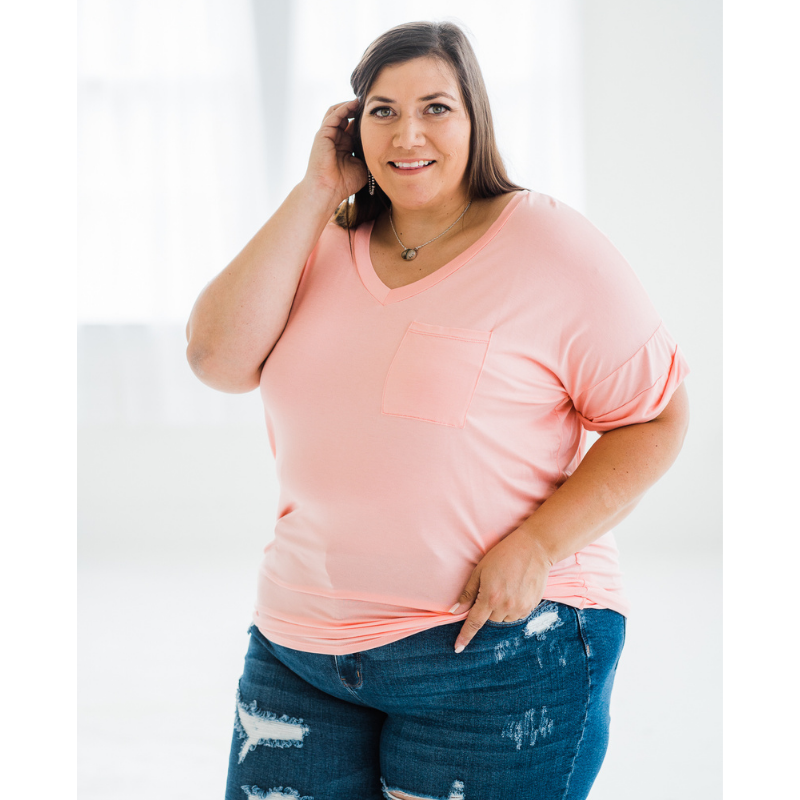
(521, 714)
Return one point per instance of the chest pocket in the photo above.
(434, 373)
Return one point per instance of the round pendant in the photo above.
(409, 254)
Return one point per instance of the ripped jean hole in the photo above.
(263, 727)
(456, 793)
(279, 793)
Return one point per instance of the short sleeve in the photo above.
(616, 359)
(638, 390)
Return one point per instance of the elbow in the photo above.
(216, 376)
(196, 357)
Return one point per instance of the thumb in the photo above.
(469, 594)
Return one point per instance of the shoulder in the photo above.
(564, 236)
(334, 235)
(551, 215)
(333, 246)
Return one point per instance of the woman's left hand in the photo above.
(506, 584)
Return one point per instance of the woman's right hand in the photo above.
(331, 165)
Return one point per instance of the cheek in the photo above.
(458, 144)
(367, 145)
(363, 135)
(459, 150)
(371, 141)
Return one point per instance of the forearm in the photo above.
(606, 486)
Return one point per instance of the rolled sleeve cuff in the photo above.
(639, 390)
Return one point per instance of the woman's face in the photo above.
(414, 111)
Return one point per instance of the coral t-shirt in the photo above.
(413, 428)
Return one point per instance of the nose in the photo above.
(408, 133)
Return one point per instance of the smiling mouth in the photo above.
(395, 168)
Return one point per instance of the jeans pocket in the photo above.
(516, 622)
(434, 373)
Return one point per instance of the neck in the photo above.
(417, 225)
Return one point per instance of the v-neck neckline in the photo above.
(384, 295)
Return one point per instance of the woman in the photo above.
(440, 614)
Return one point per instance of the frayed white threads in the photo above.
(527, 729)
(258, 727)
(280, 793)
(456, 793)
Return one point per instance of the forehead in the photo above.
(425, 74)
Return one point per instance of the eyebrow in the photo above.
(378, 99)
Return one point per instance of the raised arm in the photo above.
(240, 314)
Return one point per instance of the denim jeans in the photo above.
(521, 714)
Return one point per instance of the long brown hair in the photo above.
(486, 173)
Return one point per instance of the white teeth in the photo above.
(411, 164)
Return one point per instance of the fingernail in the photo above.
(459, 648)
(453, 609)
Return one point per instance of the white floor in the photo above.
(161, 648)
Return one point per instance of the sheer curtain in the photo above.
(195, 120)
(172, 169)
